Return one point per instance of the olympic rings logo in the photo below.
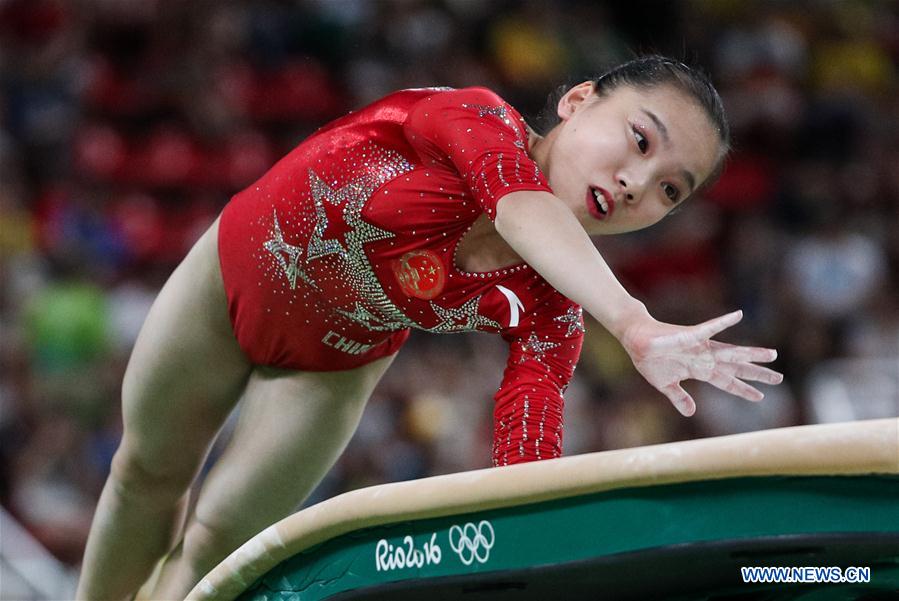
(472, 542)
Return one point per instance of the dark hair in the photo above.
(654, 70)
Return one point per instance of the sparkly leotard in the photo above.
(350, 240)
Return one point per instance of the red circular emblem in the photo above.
(420, 274)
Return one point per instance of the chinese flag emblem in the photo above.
(420, 274)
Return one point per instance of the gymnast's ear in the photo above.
(574, 99)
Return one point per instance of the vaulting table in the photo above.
(674, 521)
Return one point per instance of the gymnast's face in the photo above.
(624, 160)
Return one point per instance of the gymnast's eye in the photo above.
(642, 141)
(671, 192)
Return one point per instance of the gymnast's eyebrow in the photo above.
(691, 181)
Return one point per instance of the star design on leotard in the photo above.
(502, 113)
(464, 318)
(356, 232)
(536, 349)
(321, 192)
(287, 255)
(363, 316)
(573, 318)
(497, 111)
(352, 197)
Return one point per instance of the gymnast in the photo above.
(437, 209)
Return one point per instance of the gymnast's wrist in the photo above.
(624, 316)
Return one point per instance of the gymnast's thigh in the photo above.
(186, 371)
(291, 429)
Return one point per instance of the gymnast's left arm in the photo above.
(543, 352)
(547, 235)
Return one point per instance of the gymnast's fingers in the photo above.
(682, 401)
(706, 330)
(755, 373)
(696, 334)
(735, 387)
(729, 353)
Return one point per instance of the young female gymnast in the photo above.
(436, 209)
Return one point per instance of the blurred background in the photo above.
(126, 125)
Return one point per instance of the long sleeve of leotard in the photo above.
(543, 352)
(482, 136)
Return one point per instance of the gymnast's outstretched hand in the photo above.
(667, 354)
(541, 229)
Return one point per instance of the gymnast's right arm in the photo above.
(547, 235)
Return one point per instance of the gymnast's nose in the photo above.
(630, 188)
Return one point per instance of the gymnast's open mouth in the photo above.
(599, 203)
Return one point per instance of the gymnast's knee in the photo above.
(206, 544)
(134, 478)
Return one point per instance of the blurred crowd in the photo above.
(125, 126)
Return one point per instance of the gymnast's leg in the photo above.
(292, 427)
(184, 376)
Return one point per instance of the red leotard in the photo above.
(350, 240)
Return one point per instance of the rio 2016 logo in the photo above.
(389, 557)
(470, 542)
